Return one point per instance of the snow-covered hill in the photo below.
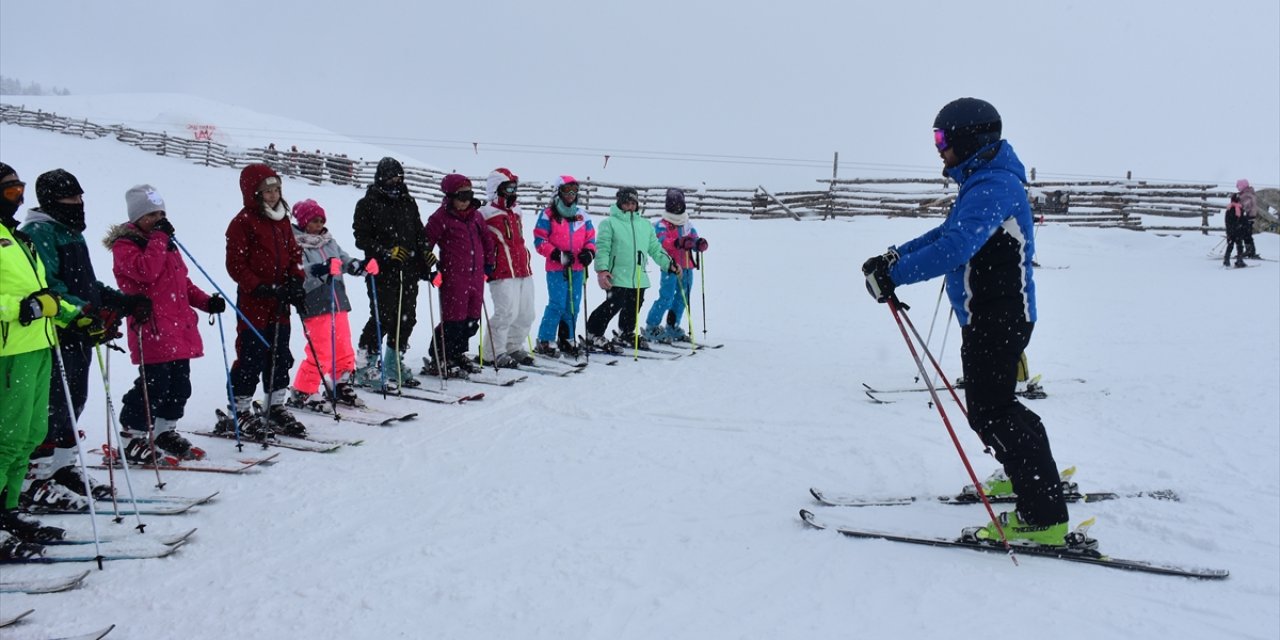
(658, 499)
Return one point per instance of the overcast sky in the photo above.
(731, 93)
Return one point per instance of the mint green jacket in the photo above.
(624, 244)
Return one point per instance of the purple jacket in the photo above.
(464, 241)
(145, 265)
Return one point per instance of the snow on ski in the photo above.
(6, 620)
(44, 585)
(163, 499)
(113, 551)
(1085, 556)
(240, 465)
(167, 540)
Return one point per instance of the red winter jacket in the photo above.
(465, 243)
(145, 265)
(260, 251)
(507, 231)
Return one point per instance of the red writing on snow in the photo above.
(202, 131)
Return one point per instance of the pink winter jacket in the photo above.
(144, 264)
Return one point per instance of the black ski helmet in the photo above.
(969, 125)
(628, 194)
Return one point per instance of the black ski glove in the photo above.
(585, 257)
(217, 304)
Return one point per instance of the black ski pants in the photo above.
(77, 358)
(621, 302)
(253, 359)
(168, 387)
(453, 339)
(391, 296)
(990, 354)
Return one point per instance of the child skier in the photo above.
(625, 240)
(324, 314)
(467, 256)
(511, 284)
(681, 240)
(145, 259)
(565, 236)
(263, 258)
(56, 228)
(1235, 221)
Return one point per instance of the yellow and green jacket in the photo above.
(21, 274)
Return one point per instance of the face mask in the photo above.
(71, 215)
(7, 211)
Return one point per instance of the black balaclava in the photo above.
(56, 184)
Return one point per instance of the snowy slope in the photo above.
(658, 500)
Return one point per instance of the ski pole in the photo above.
(399, 319)
(224, 293)
(635, 293)
(937, 367)
(685, 299)
(932, 323)
(437, 338)
(586, 353)
(335, 272)
(489, 324)
(898, 315)
(104, 365)
(146, 408)
(702, 288)
(314, 357)
(231, 394)
(274, 346)
(377, 319)
(84, 471)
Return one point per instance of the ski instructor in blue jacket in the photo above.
(984, 248)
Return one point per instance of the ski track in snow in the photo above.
(658, 499)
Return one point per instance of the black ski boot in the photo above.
(28, 530)
(284, 423)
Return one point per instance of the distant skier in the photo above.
(985, 248)
(681, 241)
(146, 260)
(1249, 203)
(1235, 222)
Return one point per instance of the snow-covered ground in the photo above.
(659, 499)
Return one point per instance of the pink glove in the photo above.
(372, 267)
(335, 267)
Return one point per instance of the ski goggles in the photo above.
(569, 190)
(940, 139)
(463, 195)
(13, 190)
(507, 189)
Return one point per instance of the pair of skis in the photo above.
(1071, 553)
(7, 620)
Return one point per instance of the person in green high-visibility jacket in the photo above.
(28, 313)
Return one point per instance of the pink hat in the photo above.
(1242, 184)
(306, 211)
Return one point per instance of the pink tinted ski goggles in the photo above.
(940, 139)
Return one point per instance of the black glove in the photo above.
(138, 306)
(217, 304)
(356, 267)
(701, 246)
(164, 225)
(879, 284)
(888, 259)
(319, 270)
(292, 292)
(266, 291)
(489, 269)
(557, 256)
(585, 257)
(429, 261)
(39, 304)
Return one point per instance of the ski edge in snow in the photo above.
(1101, 560)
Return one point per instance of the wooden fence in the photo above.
(1126, 204)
